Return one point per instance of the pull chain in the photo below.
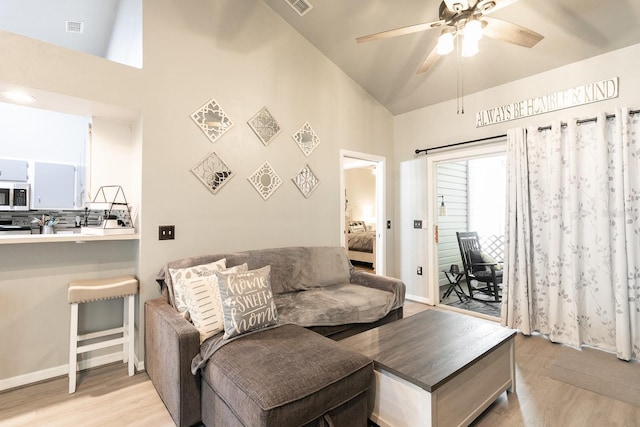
(459, 78)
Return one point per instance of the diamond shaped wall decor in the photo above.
(212, 120)
(306, 139)
(265, 180)
(306, 181)
(213, 172)
(264, 125)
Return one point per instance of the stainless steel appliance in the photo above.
(7, 228)
(14, 196)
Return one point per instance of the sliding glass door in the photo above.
(467, 194)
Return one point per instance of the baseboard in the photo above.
(63, 370)
(139, 364)
(417, 298)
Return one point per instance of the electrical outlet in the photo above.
(419, 271)
(417, 223)
(166, 232)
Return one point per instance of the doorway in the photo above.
(468, 193)
(362, 204)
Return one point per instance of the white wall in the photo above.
(360, 186)
(112, 159)
(125, 45)
(439, 125)
(34, 134)
(244, 56)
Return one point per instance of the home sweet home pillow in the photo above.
(202, 297)
(180, 276)
(247, 301)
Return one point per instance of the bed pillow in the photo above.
(180, 275)
(247, 301)
(356, 227)
(202, 297)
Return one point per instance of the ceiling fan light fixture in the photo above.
(445, 43)
(469, 46)
(473, 29)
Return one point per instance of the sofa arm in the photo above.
(384, 283)
(170, 344)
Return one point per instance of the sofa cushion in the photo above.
(247, 301)
(301, 268)
(334, 305)
(286, 376)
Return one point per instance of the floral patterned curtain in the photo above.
(572, 258)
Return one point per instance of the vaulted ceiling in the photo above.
(573, 30)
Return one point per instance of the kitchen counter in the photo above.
(63, 237)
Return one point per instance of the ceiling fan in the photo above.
(465, 21)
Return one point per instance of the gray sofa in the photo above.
(315, 289)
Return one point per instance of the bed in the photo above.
(361, 242)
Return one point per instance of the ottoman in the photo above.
(286, 376)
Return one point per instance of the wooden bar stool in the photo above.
(81, 291)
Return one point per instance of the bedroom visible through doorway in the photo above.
(362, 204)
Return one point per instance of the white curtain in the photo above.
(572, 258)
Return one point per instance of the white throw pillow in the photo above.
(204, 305)
(181, 275)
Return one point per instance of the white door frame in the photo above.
(381, 203)
(459, 154)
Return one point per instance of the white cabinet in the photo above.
(54, 186)
(13, 170)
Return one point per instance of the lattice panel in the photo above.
(265, 180)
(212, 120)
(306, 139)
(306, 181)
(213, 172)
(493, 245)
(265, 126)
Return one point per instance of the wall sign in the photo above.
(579, 95)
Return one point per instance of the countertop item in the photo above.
(14, 229)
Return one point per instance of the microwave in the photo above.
(14, 197)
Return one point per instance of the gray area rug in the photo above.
(599, 372)
(488, 308)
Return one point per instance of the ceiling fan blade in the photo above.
(401, 31)
(429, 60)
(508, 32)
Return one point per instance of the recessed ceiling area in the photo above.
(111, 29)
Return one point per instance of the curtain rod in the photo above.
(426, 150)
(592, 119)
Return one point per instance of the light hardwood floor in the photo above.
(106, 396)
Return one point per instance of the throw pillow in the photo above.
(247, 301)
(180, 275)
(479, 257)
(202, 298)
(356, 227)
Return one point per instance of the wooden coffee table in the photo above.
(436, 368)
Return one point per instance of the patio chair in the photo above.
(483, 273)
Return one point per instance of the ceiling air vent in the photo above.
(74, 26)
(300, 6)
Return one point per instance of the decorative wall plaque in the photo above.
(306, 139)
(306, 181)
(264, 125)
(265, 180)
(212, 120)
(213, 172)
